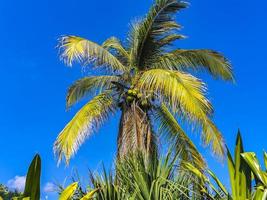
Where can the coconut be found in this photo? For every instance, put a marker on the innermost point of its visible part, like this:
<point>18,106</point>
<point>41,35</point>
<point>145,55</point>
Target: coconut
<point>129,99</point>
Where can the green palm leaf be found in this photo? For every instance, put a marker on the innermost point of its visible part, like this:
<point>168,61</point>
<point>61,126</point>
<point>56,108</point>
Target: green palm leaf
<point>213,62</point>
<point>87,120</point>
<point>182,92</point>
<point>115,44</point>
<point>212,136</point>
<point>88,85</point>
<point>85,51</point>
<point>265,159</point>
<point>169,126</point>
<point>145,34</point>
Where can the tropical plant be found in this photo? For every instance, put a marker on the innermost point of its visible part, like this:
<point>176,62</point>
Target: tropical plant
<point>32,185</point>
<point>139,178</point>
<point>6,193</point>
<point>149,82</point>
<point>259,174</point>
<point>161,179</point>
<point>68,192</point>
<point>243,168</point>
<point>239,172</point>
<point>207,187</point>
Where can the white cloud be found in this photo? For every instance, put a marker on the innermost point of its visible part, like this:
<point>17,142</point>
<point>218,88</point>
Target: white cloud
<point>50,187</point>
<point>17,183</point>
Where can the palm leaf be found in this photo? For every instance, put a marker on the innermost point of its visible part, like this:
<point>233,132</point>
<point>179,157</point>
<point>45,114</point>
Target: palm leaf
<point>115,44</point>
<point>219,183</point>
<point>168,125</point>
<point>87,85</point>
<point>182,92</point>
<point>87,120</point>
<point>145,35</point>
<point>213,137</point>
<point>213,62</point>
<point>265,159</point>
<point>84,51</point>
<point>169,39</point>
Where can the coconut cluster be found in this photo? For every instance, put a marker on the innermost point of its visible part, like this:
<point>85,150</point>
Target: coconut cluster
<point>143,100</point>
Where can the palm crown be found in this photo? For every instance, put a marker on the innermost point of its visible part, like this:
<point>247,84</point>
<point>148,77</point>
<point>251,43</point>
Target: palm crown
<point>148,80</point>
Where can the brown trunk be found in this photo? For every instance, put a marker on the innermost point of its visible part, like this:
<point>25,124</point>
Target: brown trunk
<point>135,132</point>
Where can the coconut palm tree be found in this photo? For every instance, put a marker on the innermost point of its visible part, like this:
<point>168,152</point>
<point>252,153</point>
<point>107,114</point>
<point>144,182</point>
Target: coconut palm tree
<point>148,81</point>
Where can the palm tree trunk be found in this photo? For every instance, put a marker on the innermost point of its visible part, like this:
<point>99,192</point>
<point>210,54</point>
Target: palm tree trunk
<point>135,132</point>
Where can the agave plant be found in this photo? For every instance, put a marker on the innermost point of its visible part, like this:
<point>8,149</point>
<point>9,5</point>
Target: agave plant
<point>148,81</point>
<point>106,187</point>
<point>239,172</point>
<point>243,169</point>
<point>259,174</point>
<point>138,178</point>
<point>161,179</point>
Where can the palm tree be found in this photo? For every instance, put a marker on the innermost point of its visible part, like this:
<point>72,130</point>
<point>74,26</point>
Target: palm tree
<point>148,81</point>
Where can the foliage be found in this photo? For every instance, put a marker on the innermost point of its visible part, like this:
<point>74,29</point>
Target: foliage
<point>148,80</point>
<point>239,172</point>
<point>149,179</point>
<point>68,192</point>
<point>138,177</point>
<point>259,174</point>
<point>6,194</point>
<point>32,185</point>
<point>244,169</point>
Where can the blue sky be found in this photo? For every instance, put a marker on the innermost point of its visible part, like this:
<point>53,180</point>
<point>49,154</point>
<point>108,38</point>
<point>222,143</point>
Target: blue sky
<point>34,82</point>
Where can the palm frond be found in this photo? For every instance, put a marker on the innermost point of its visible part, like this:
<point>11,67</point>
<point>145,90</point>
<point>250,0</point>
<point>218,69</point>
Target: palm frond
<point>169,39</point>
<point>114,43</point>
<point>88,85</point>
<point>87,120</point>
<point>169,126</point>
<point>199,59</point>
<point>213,137</point>
<point>182,92</point>
<point>145,35</point>
<point>85,51</point>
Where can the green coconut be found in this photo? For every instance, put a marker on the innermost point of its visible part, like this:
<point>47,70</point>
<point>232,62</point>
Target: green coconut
<point>129,99</point>
<point>134,92</point>
<point>130,92</point>
<point>144,103</point>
